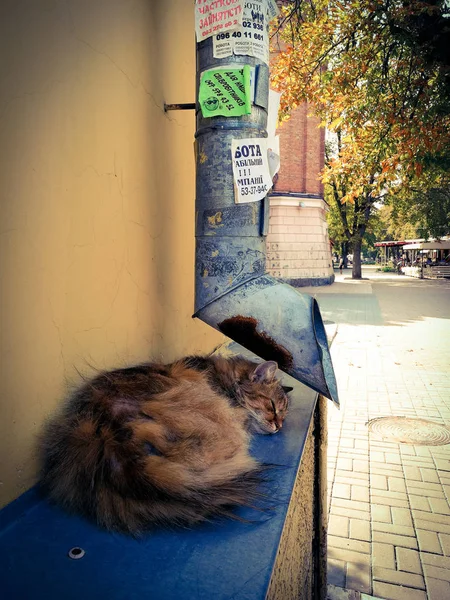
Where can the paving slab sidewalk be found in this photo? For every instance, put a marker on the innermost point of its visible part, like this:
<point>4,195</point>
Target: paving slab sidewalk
<point>389,511</point>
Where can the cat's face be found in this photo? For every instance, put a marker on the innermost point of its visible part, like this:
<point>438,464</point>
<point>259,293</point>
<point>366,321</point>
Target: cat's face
<point>265,399</point>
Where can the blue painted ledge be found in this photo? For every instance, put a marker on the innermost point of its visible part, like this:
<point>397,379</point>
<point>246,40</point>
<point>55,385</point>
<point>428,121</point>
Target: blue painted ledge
<point>222,560</point>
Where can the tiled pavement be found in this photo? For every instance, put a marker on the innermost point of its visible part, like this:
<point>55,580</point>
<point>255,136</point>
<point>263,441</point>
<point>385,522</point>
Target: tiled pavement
<point>389,512</point>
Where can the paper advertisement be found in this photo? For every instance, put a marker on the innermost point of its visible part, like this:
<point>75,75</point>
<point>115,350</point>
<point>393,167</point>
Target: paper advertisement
<point>274,11</point>
<point>225,92</point>
<point>272,112</point>
<point>273,155</point>
<point>251,38</point>
<point>273,140</point>
<point>251,174</point>
<point>215,16</point>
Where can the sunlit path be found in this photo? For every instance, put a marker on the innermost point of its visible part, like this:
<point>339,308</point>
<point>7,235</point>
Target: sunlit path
<point>389,513</point>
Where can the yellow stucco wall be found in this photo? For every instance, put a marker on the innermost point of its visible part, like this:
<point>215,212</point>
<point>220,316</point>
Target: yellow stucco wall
<point>97,202</point>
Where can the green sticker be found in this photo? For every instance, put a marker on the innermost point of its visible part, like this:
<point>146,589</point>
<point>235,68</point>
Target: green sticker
<point>225,92</point>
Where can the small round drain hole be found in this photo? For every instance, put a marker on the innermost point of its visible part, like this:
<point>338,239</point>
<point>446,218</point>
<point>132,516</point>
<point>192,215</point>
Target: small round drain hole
<point>406,430</point>
<point>76,553</point>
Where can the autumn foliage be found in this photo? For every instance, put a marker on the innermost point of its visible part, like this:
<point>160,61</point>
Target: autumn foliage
<point>383,100</point>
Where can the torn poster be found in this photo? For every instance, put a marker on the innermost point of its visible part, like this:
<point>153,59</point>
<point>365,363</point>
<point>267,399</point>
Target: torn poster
<point>252,36</point>
<point>274,11</point>
<point>273,140</point>
<point>272,112</point>
<point>225,91</point>
<point>215,16</point>
<point>273,155</point>
<point>251,173</point>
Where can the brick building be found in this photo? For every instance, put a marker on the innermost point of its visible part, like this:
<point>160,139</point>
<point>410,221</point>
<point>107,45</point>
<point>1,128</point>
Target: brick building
<point>298,244</point>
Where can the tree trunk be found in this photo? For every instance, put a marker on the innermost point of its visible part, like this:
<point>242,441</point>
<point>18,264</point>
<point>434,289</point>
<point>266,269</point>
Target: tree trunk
<point>356,270</point>
<point>344,253</point>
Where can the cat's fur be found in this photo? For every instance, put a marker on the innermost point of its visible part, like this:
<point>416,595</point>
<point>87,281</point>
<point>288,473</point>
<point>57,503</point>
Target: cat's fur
<point>164,444</point>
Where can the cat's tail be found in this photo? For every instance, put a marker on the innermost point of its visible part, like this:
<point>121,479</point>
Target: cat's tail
<point>246,490</point>
<point>172,496</point>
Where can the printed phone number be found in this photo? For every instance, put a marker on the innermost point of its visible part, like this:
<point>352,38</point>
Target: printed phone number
<point>237,34</point>
<point>220,96</point>
<point>228,25</point>
<point>253,189</point>
<point>246,34</point>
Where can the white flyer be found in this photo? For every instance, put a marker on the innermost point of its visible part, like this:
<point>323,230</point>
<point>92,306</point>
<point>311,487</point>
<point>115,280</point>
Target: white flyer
<point>251,173</point>
<point>273,155</point>
<point>272,112</point>
<point>273,140</point>
<point>215,16</point>
<point>274,11</point>
<point>252,36</point>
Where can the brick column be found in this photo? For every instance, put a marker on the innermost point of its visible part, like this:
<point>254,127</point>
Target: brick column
<point>298,244</point>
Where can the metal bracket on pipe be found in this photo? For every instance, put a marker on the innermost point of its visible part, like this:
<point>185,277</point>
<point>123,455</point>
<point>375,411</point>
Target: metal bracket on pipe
<point>186,106</point>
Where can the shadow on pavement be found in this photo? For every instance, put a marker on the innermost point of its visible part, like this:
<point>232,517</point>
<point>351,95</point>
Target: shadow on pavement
<point>377,300</point>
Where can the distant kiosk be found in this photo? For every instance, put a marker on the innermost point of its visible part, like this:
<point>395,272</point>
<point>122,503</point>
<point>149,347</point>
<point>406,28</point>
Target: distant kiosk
<point>418,258</point>
<point>432,258</point>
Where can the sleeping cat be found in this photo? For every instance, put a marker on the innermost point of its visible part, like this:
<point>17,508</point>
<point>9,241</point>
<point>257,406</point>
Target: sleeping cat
<point>162,444</point>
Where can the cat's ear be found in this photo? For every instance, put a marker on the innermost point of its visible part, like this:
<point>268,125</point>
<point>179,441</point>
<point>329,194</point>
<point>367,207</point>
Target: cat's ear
<point>265,372</point>
<point>287,389</point>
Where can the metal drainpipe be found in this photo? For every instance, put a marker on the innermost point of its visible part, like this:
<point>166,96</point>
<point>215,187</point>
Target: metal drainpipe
<point>233,293</point>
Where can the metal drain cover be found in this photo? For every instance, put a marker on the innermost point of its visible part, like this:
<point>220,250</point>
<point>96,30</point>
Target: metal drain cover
<point>410,431</point>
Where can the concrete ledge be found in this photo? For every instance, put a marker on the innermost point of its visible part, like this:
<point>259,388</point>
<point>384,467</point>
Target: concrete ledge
<point>338,593</point>
<point>308,281</point>
<point>225,559</point>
